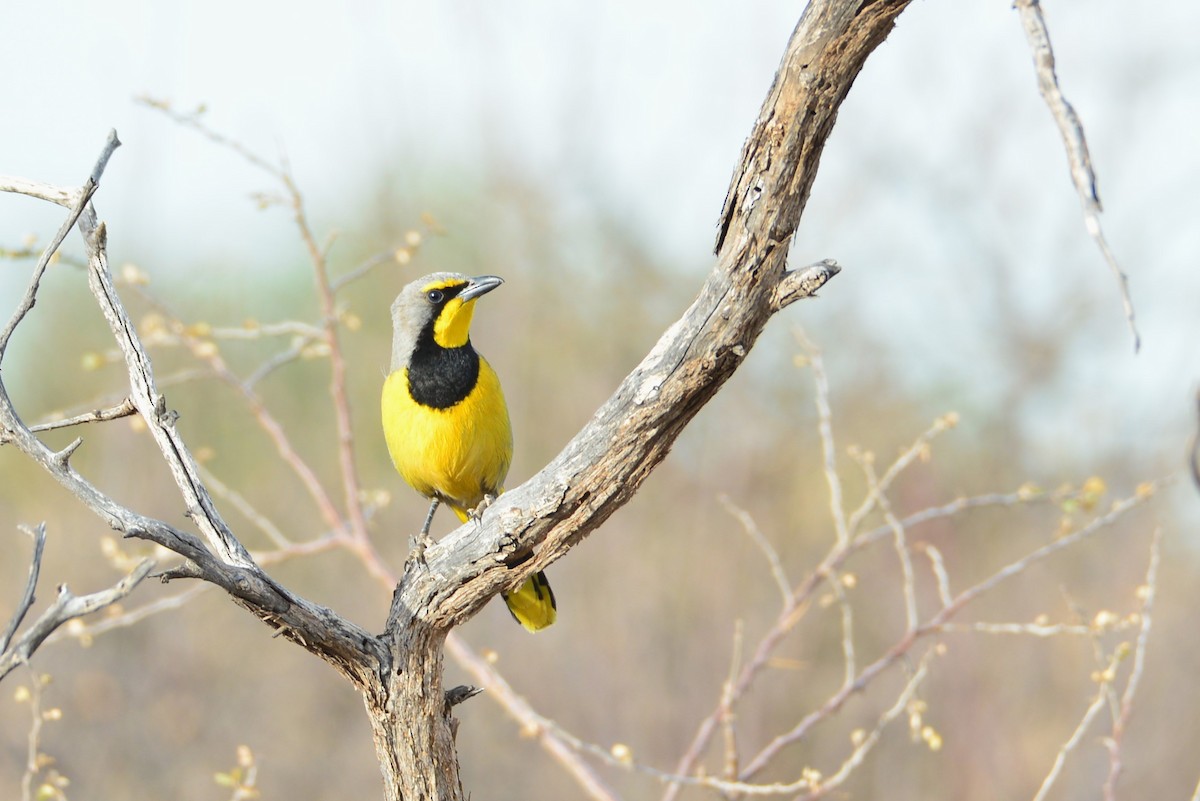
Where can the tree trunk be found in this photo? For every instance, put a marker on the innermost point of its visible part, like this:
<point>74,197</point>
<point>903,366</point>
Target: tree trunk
<point>411,721</point>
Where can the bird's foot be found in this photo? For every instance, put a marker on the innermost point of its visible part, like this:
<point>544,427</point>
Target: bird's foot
<point>476,514</point>
<point>417,546</point>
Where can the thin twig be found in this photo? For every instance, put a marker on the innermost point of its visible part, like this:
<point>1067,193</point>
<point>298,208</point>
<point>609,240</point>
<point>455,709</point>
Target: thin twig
<point>1071,130</point>
<point>1139,665</point>
<point>849,655</point>
<point>1069,746</point>
<point>239,502</point>
<point>801,597</point>
<point>33,747</point>
<point>933,626</point>
<point>730,768</point>
<point>550,737</point>
<point>325,294</point>
<point>755,533</point>
<point>917,450</point>
<point>1027,629</point>
<point>27,598</point>
<point>900,541</point>
<point>68,606</point>
<point>864,746</point>
<point>123,409</point>
<point>80,203</point>
<point>938,565</point>
<point>825,430</point>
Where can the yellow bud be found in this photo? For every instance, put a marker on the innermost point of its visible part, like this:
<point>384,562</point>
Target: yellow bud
<point>1092,491</point>
<point>91,361</point>
<point>206,349</point>
<point>1144,490</point>
<point>413,238</point>
<point>53,713</point>
<point>352,321</point>
<point>950,419</point>
<point>858,737</point>
<point>133,276</point>
<point>849,581</point>
<point>931,738</point>
<point>153,323</point>
<point>402,256</point>
<point>1028,491</point>
<point>21,694</point>
<point>622,754</point>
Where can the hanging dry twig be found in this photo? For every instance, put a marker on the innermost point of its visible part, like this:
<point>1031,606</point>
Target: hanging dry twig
<point>1071,129</point>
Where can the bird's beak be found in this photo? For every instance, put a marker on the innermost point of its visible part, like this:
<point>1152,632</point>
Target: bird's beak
<point>480,285</point>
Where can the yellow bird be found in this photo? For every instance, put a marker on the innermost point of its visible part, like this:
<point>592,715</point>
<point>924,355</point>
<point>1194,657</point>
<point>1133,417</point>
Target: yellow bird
<point>444,415</point>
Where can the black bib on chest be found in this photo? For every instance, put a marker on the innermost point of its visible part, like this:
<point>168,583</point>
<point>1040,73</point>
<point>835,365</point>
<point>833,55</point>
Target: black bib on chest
<point>441,377</point>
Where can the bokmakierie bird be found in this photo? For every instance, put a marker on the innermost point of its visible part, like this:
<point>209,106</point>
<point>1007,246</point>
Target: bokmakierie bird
<point>444,415</point>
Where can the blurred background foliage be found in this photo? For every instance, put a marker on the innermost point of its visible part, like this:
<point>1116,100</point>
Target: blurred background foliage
<point>969,286</point>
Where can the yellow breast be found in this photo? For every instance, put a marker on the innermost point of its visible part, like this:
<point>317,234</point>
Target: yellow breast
<point>458,454</point>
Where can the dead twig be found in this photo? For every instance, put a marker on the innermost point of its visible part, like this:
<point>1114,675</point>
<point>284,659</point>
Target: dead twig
<point>1071,130</point>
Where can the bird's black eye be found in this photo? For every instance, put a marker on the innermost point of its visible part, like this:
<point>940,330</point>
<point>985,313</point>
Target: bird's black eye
<point>435,296</point>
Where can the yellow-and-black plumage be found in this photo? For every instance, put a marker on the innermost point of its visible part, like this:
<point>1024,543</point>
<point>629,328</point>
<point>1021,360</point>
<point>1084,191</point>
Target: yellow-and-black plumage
<point>444,415</point>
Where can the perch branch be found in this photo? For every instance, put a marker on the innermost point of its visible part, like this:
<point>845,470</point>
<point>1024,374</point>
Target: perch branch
<point>601,468</point>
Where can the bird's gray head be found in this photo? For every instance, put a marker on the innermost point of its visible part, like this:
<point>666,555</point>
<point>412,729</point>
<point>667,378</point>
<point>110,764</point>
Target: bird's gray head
<point>440,303</point>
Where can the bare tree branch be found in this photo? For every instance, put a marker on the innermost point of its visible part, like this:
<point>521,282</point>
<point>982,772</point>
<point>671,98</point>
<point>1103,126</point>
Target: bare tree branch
<point>27,598</point>
<point>78,203</point>
<point>348,648</point>
<point>66,607</point>
<point>1071,129</point>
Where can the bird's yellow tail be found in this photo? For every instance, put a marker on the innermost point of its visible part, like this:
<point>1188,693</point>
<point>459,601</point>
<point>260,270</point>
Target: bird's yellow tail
<point>532,605</point>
